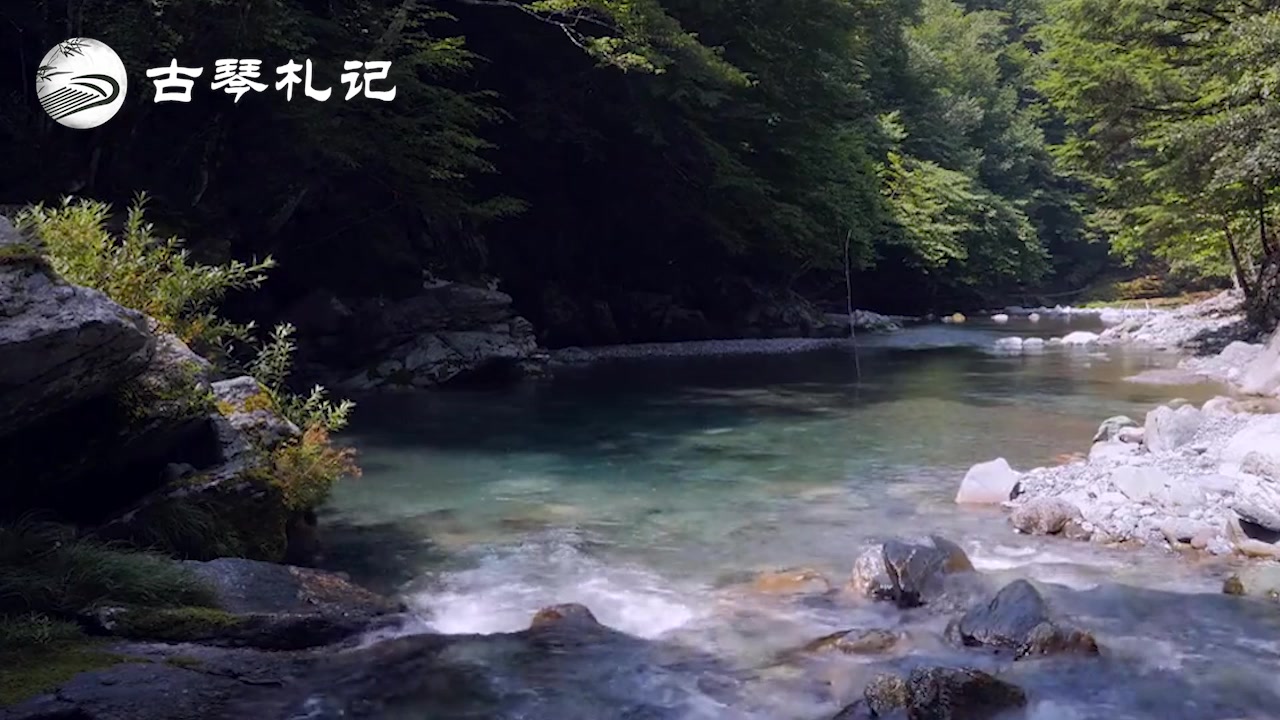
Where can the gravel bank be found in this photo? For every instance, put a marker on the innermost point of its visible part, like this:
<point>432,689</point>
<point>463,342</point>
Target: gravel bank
<point>1205,478</point>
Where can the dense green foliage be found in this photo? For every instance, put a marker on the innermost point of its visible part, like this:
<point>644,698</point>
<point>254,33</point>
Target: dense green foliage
<point>1173,111</point>
<point>586,149</point>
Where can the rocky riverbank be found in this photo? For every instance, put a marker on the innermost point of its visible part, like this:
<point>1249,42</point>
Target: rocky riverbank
<point>1198,478</point>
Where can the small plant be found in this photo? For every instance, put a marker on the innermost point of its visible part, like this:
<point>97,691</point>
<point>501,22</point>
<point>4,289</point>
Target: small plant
<point>306,469</point>
<point>142,271</point>
<point>272,366</point>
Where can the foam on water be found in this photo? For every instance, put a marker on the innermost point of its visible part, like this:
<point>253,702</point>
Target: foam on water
<point>508,585</point>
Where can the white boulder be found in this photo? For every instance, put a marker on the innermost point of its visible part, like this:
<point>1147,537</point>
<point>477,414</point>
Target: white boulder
<point>988,483</point>
<point>1009,344</point>
<point>1262,376</point>
<point>1080,337</point>
<point>1000,318</point>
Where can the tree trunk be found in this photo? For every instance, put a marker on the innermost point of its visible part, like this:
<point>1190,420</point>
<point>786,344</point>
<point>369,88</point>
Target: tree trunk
<point>1242,278</point>
<point>1267,249</point>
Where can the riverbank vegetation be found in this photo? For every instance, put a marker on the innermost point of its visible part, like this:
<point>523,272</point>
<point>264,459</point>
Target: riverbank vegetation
<point>981,152</point>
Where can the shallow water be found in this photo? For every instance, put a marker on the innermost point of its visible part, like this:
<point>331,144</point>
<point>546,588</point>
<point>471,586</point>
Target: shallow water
<point>646,488</point>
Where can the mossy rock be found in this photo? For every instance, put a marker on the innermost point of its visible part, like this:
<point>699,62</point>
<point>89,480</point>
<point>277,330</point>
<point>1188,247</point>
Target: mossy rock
<point>35,671</point>
<point>209,626</point>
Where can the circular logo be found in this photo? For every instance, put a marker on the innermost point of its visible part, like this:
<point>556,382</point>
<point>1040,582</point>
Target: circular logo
<point>81,83</point>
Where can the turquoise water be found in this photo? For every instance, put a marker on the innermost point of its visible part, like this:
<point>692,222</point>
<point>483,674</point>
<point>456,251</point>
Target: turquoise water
<point>649,489</point>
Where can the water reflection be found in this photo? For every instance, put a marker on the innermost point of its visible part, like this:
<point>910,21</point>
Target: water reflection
<point>638,487</point>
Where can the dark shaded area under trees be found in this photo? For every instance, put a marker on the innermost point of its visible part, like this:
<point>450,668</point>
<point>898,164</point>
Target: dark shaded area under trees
<point>596,155</point>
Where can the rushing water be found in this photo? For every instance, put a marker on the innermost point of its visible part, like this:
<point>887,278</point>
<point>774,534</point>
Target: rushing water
<point>648,489</point>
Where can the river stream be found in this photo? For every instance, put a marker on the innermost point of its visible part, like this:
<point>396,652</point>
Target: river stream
<point>650,489</point>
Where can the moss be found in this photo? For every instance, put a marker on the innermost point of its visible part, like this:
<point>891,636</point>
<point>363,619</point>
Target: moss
<point>24,253</point>
<point>187,624</point>
<point>259,401</point>
<point>177,394</point>
<point>185,662</point>
<point>34,672</point>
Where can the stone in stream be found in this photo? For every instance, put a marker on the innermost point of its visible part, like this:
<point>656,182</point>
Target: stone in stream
<point>857,642</point>
<point>566,616</point>
<point>1044,516</point>
<point>988,483</point>
<point>1255,581</point>
<point>907,573</point>
<point>1110,428</point>
<point>792,581</point>
<point>937,693</point>
<point>1169,429</point>
<point>1262,376</point>
<point>1017,620</point>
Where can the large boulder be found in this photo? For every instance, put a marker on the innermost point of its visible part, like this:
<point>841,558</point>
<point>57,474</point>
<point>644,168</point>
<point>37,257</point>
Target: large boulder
<point>1017,620</point>
<point>988,483</point>
<point>1168,429</point>
<point>1261,436</point>
<point>60,344</point>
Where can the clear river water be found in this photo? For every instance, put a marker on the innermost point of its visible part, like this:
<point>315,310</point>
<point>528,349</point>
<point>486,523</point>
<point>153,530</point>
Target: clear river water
<point>650,488</point>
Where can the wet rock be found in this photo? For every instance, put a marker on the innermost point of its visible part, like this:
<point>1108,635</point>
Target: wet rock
<point>1261,581</point>
<point>566,616</point>
<point>988,483</point>
<point>857,642</point>
<point>1017,619</point>
<point>1110,428</point>
<point>917,572</point>
<point>1080,338</point>
<point>938,693</point>
<point>869,577</point>
<point>792,581</point>
<point>1169,429</point>
<point>1044,516</point>
<point>248,586</point>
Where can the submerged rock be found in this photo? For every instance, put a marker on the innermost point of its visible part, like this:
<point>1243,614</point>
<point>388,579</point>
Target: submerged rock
<point>857,642</point>
<point>988,483</point>
<point>1017,620</point>
<point>1261,581</point>
<point>937,693</point>
<point>791,582</point>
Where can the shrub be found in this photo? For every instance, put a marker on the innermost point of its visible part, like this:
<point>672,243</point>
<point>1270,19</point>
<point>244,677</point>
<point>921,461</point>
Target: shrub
<point>142,271</point>
<point>271,367</point>
<point>305,469</point>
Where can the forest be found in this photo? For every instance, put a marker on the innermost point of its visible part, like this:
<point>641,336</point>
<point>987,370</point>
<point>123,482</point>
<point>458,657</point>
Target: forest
<point>979,153</point>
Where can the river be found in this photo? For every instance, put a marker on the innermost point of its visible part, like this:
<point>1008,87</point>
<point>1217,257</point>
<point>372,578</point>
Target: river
<point>650,488</point>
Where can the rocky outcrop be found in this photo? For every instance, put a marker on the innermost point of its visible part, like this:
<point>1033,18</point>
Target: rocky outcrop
<point>60,344</point>
<point>75,365</point>
<point>450,332</point>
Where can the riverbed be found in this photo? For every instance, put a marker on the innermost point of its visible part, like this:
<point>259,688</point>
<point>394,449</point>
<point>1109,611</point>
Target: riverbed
<point>651,487</point>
